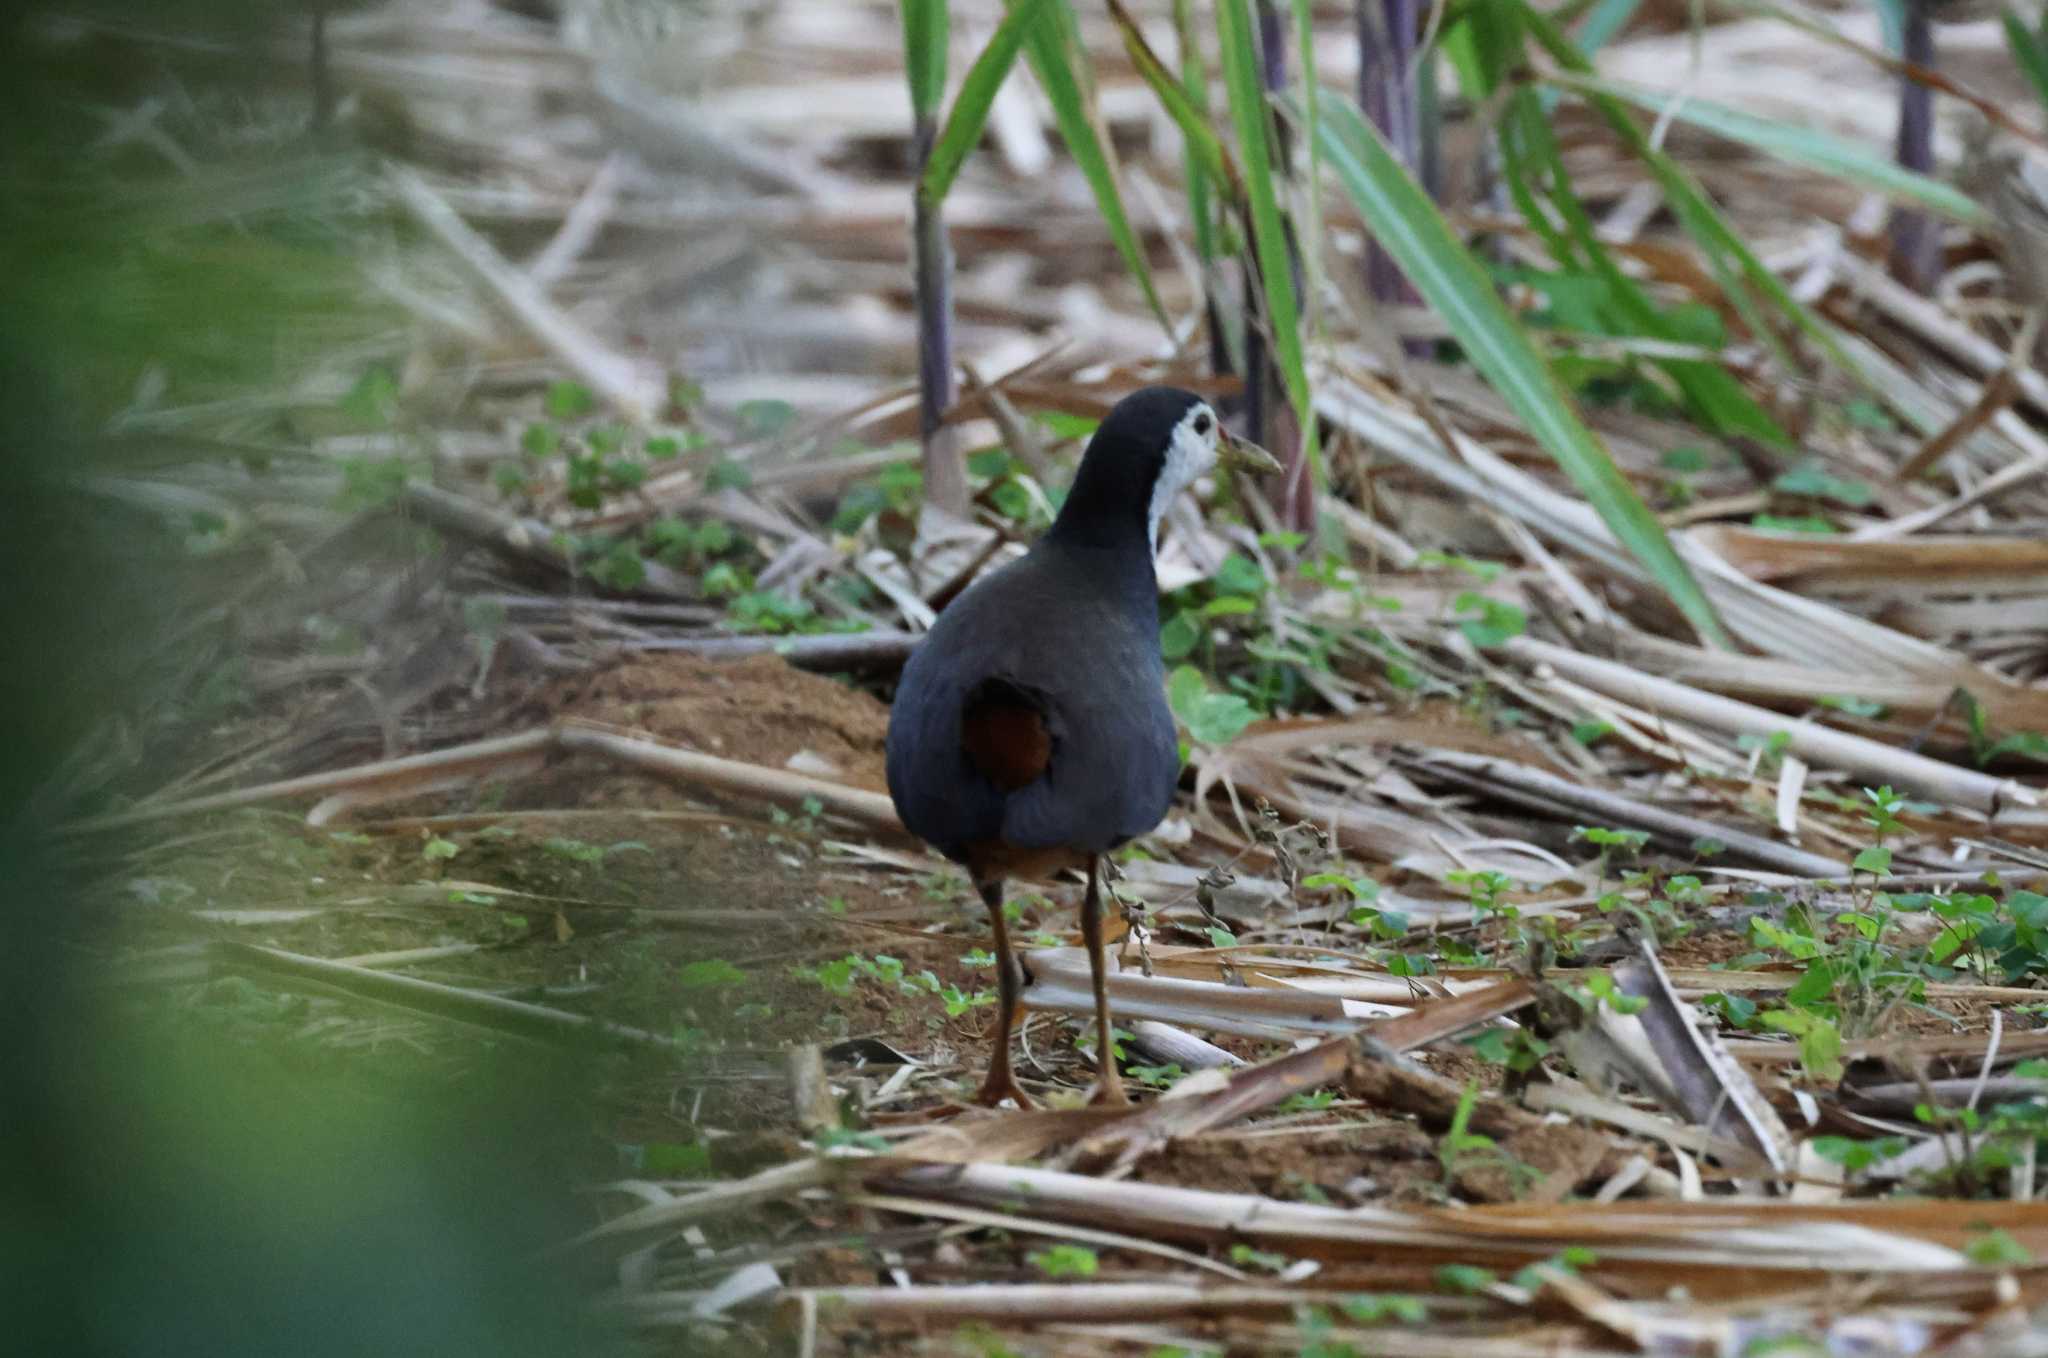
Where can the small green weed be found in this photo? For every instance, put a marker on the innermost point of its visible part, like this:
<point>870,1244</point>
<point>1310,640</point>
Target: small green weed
<point>839,976</point>
<point>1065,1261</point>
<point>1461,1149</point>
<point>710,974</point>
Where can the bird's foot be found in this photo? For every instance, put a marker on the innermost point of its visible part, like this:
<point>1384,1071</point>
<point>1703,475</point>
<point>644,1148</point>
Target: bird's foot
<point>1002,1084</point>
<point>1109,1091</point>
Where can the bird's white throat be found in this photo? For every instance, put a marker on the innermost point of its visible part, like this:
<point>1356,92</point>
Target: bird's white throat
<point>1190,455</point>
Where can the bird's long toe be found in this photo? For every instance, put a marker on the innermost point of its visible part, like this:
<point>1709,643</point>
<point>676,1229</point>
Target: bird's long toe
<point>1109,1091</point>
<point>1002,1084</point>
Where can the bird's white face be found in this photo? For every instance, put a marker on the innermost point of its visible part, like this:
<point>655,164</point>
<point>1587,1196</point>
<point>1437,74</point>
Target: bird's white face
<point>1190,455</point>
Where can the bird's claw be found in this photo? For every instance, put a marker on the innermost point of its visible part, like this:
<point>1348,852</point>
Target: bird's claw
<point>1002,1084</point>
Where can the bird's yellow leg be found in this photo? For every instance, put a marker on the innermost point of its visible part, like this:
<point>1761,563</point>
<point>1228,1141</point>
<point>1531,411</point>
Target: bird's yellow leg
<point>1001,1082</point>
<point>1109,1085</point>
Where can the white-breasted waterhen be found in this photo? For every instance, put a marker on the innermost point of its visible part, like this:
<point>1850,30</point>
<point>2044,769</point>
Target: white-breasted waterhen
<point>1030,731</point>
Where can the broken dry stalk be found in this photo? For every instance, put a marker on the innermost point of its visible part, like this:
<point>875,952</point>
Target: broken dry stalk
<point>1817,745</point>
<point>515,756</point>
<point>612,376</point>
<point>533,1021</point>
<point>1533,787</point>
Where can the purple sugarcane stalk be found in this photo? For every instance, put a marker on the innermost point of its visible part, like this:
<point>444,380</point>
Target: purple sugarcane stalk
<point>1269,418</point>
<point>1915,238</point>
<point>1258,360</point>
<point>1258,365</point>
<point>1386,91</point>
<point>945,479</point>
<point>1219,349</point>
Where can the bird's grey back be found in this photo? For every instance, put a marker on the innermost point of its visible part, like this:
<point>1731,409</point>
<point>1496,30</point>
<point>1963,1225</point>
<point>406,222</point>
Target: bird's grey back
<point>1079,629</point>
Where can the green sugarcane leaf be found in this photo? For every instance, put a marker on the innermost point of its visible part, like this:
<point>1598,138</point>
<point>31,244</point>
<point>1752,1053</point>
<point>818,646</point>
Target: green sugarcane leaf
<point>962,131</point>
<point>1485,49</point>
<point>1409,227</point>
<point>1049,45</point>
<point>1728,257</point>
<point>1194,79</point>
<point>1605,19</point>
<point>1814,149</point>
<point>1269,235</point>
<point>2027,54</point>
<point>1713,393</point>
<point>925,33</point>
<point>1891,17</point>
<point>1185,100</point>
<point>1312,199</point>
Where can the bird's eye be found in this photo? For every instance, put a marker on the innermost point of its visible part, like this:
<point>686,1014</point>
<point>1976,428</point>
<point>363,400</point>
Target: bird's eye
<point>1202,423</point>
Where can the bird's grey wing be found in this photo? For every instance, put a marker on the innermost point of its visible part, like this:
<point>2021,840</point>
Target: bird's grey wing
<point>939,794</point>
<point>965,732</point>
<point>1115,759</point>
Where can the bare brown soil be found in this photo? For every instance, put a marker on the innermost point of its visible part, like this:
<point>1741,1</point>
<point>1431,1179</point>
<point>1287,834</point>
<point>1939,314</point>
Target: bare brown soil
<point>760,710</point>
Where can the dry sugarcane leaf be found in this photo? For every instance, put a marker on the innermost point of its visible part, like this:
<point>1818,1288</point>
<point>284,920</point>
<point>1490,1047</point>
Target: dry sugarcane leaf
<point>1939,1057</point>
<point>525,752</point>
<point>1159,1123</point>
<point>1761,679</point>
<point>1546,791</point>
<point>1775,621</point>
<point>1748,1240</point>
<point>1248,1091</point>
<point>1031,1303</point>
<point>1269,762</point>
<point>1059,981</point>
<point>1818,745</point>
<point>1711,1087</point>
<point>1608,1049</point>
<point>1837,565</point>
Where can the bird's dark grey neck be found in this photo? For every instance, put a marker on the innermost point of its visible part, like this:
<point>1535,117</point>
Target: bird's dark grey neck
<point>1110,503</point>
<point>1115,527</point>
<point>1113,557</point>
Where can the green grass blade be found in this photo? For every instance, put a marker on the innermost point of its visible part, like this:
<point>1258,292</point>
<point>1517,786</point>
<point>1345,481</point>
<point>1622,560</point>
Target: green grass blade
<point>1717,399</point>
<point>1049,46</point>
<point>977,94</point>
<point>1603,21</point>
<point>926,31</point>
<point>1411,230</point>
<point>1194,84</point>
<point>1891,17</point>
<point>2027,54</point>
<point>1310,231</point>
<point>1269,234</point>
<point>1484,49</point>
<point>1810,147</point>
<point>1728,257</point>
<point>1185,100</point>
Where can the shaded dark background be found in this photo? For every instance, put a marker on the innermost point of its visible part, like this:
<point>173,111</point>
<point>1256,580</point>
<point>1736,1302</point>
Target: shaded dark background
<point>162,1193</point>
